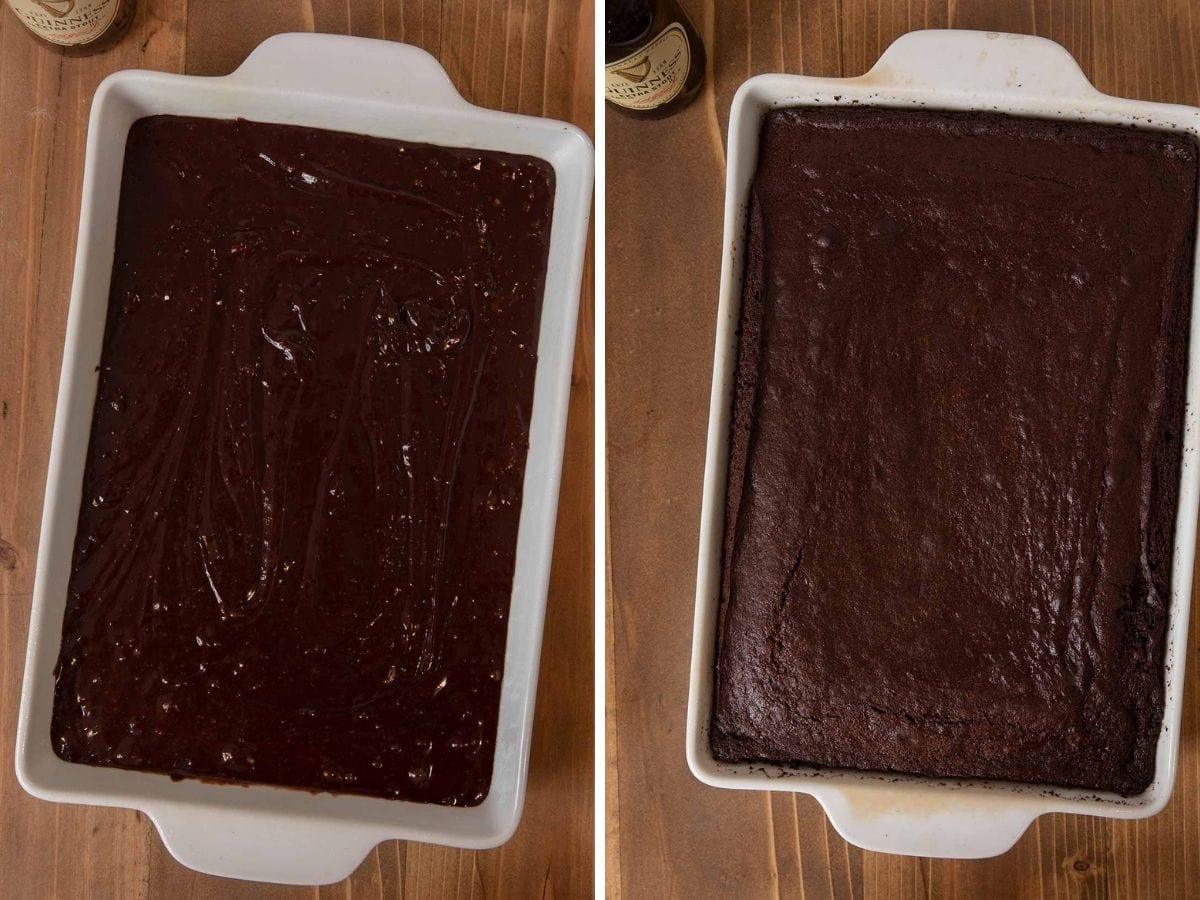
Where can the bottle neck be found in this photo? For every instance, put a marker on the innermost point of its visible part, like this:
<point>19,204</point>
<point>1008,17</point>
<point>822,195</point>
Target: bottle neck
<point>627,21</point>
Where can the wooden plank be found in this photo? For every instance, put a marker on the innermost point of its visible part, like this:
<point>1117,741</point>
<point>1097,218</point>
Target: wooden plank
<point>669,835</point>
<point>531,57</point>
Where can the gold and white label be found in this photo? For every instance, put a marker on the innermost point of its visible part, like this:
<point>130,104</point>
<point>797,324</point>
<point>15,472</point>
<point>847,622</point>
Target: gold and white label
<point>66,22</point>
<point>652,76</point>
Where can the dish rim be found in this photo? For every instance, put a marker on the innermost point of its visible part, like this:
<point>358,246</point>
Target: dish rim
<point>953,70</point>
<point>361,86</point>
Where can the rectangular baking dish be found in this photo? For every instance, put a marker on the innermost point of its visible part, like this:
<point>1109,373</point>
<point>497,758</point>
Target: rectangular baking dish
<point>343,84</point>
<point>950,70</point>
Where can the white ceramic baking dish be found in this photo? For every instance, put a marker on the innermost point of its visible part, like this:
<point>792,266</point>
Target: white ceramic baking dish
<point>954,70</point>
<point>345,84</point>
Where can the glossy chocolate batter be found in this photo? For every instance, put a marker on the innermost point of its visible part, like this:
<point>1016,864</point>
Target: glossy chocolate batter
<point>296,545</point>
<point>956,447</point>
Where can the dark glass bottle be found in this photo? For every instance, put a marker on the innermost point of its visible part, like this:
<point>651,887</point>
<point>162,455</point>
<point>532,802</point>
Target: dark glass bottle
<point>76,27</point>
<point>653,58</point>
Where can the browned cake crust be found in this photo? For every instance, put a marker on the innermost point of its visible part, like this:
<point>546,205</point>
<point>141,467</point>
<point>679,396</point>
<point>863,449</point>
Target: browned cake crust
<point>957,432</point>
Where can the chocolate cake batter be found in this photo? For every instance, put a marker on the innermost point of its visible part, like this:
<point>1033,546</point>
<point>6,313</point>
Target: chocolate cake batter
<point>957,432</point>
<point>296,544</point>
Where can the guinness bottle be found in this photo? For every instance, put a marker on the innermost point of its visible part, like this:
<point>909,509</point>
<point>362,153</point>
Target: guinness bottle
<point>77,27</point>
<point>653,57</point>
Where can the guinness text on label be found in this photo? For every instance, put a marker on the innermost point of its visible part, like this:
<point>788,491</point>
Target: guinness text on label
<point>74,23</point>
<point>654,59</point>
<point>653,75</point>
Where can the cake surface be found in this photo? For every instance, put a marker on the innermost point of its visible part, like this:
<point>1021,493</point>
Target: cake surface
<point>955,447</point>
<point>296,545</point>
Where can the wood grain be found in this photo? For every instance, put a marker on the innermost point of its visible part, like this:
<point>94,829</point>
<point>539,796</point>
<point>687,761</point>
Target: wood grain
<point>669,835</point>
<point>529,56</point>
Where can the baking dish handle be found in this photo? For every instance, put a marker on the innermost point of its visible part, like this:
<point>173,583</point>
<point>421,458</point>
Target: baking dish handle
<point>349,67</point>
<point>981,62</point>
<point>260,846</point>
<point>926,825</point>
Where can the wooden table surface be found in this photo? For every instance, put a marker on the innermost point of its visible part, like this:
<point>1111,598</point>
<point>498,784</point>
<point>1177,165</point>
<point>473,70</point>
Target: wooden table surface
<point>669,835</point>
<point>530,57</point>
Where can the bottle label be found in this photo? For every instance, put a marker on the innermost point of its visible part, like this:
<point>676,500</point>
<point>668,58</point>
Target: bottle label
<point>69,23</point>
<point>653,75</point>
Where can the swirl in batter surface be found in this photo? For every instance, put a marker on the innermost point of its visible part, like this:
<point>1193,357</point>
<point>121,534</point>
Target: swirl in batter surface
<point>295,551</point>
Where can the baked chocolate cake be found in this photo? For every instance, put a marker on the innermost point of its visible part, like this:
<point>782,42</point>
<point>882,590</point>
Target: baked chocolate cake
<point>955,450</point>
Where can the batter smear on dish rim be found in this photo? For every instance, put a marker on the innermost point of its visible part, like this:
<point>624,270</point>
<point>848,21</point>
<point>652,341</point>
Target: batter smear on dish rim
<point>296,543</point>
<point>956,443</point>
